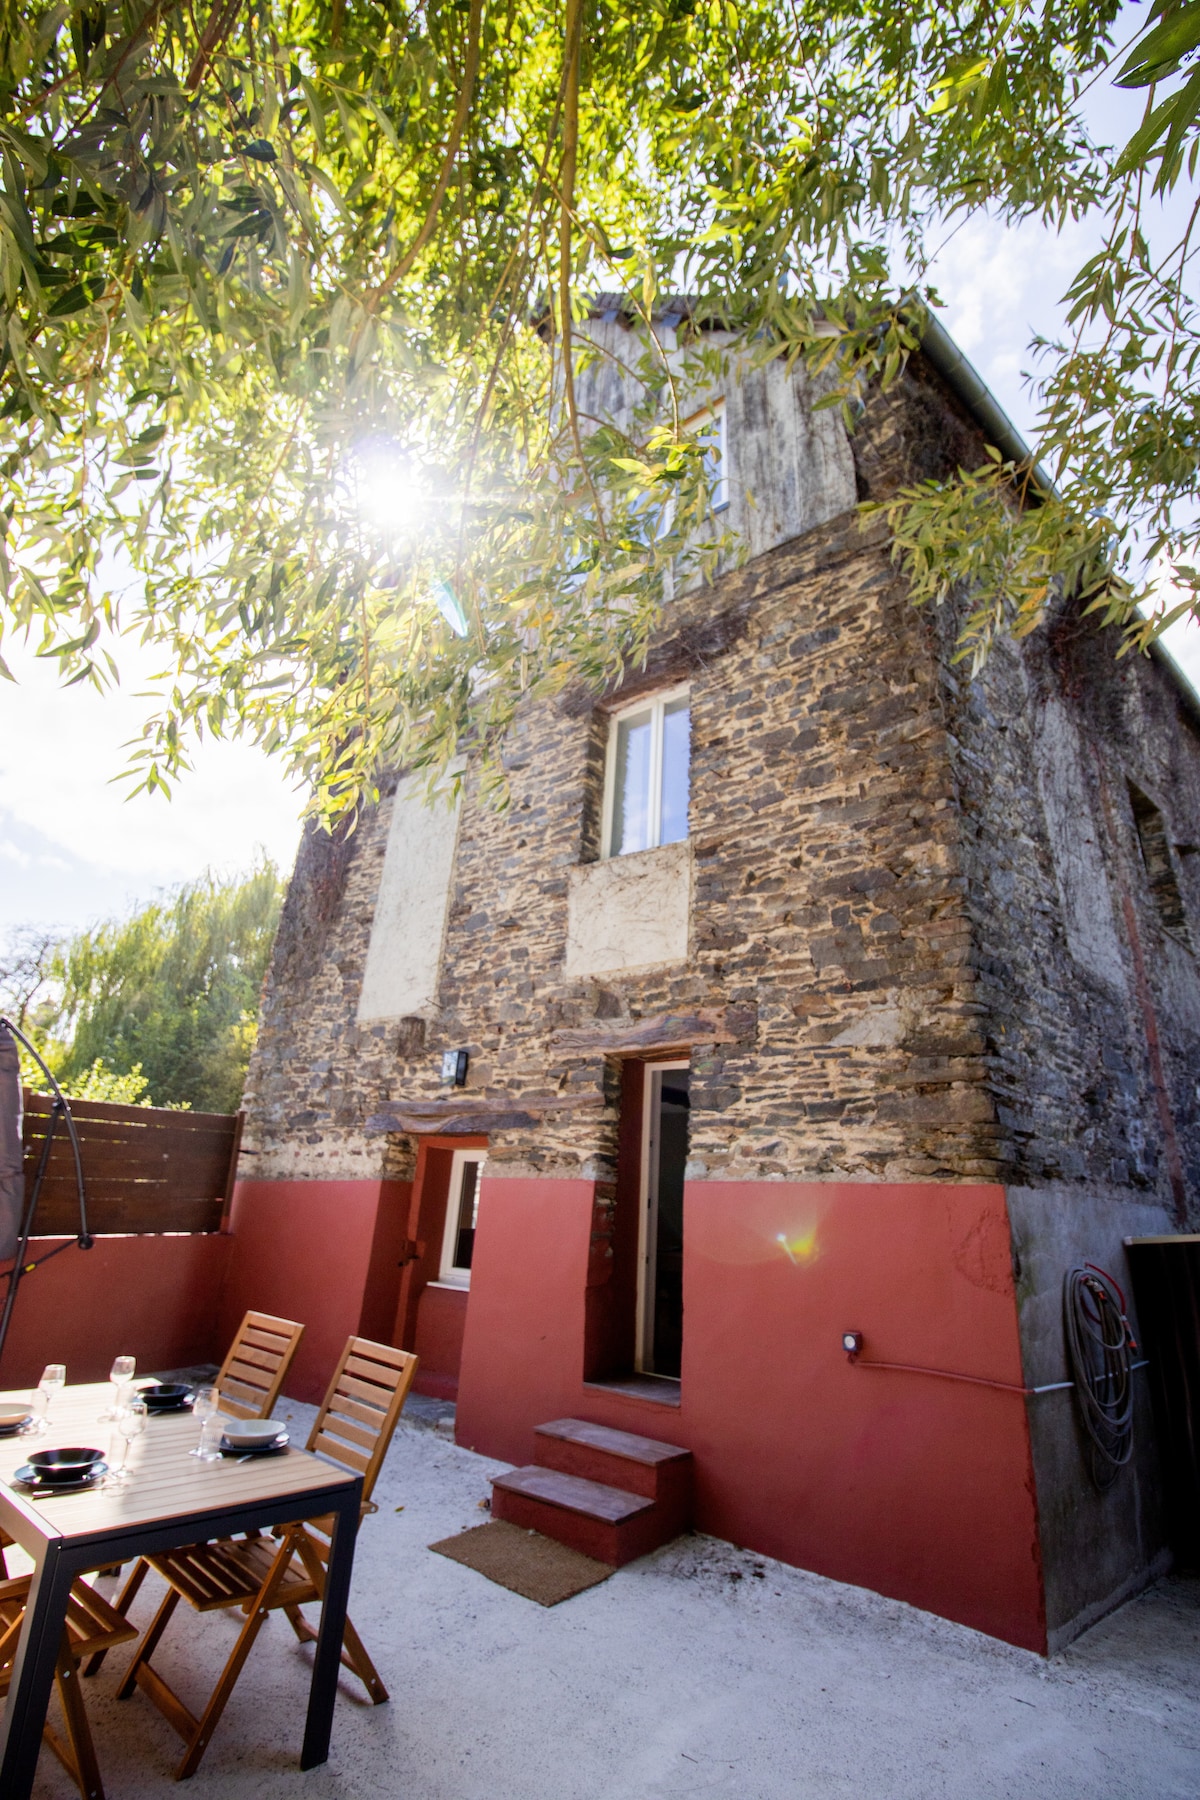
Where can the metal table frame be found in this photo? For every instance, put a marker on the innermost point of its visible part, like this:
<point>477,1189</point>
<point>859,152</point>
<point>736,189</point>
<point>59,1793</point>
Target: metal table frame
<point>59,1560</point>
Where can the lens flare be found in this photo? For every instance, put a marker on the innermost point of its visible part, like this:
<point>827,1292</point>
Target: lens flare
<point>799,1246</point>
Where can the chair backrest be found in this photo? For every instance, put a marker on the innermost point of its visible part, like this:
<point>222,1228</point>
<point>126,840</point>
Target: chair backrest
<point>259,1358</point>
<point>362,1408</point>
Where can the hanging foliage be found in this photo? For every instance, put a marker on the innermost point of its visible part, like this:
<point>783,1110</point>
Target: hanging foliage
<point>292,303</point>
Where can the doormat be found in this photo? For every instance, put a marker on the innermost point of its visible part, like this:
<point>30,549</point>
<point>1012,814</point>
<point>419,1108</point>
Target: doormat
<point>524,1561</point>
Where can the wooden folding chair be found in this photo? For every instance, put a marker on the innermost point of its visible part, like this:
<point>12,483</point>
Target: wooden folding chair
<point>92,1625</point>
<point>249,1381</point>
<point>258,1360</point>
<point>285,1572</point>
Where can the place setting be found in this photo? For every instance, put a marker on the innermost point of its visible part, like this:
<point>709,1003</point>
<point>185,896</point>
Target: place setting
<point>76,1468</point>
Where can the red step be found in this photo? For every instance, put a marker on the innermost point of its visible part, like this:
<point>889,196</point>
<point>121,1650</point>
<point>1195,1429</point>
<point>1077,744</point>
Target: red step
<point>610,1494</point>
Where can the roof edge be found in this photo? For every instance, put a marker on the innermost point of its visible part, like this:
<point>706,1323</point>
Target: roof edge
<point>961,376</point>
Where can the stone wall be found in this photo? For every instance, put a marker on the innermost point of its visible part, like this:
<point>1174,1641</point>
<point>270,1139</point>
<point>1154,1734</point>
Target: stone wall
<point>897,967</point>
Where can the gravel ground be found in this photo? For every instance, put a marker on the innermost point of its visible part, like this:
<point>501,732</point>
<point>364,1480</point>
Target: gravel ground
<point>700,1671</point>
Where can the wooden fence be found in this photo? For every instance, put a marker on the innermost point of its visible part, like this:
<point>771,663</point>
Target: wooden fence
<point>144,1169</point>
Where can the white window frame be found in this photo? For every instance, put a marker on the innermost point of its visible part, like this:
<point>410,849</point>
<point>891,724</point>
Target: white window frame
<point>715,414</point>
<point>656,705</point>
<point>448,1275</point>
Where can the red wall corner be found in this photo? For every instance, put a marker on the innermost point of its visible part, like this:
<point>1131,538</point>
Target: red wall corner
<point>918,1487</point>
<point>322,1252</point>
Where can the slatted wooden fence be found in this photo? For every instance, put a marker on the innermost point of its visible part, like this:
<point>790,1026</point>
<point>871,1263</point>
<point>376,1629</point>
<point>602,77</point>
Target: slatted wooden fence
<point>145,1169</point>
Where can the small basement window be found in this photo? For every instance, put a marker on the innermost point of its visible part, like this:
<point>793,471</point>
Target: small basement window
<point>1155,847</point>
<point>647,775</point>
<point>462,1211</point>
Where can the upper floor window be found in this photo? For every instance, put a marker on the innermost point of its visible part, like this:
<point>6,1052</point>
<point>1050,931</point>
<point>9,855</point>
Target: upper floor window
<point>710,427</point>
<point>647,774</point>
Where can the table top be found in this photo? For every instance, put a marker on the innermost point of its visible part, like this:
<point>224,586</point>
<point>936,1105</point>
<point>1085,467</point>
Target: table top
<point>165,1482</point>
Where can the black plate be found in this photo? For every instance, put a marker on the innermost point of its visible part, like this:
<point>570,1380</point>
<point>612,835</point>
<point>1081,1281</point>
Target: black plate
<point>272,1449</point>
<point>14,1430</point>
<point>166,1393</point>
<point>169,1406</point>
<point>29,1478</point>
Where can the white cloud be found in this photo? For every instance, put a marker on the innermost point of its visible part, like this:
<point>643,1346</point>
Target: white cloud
<point>60,750</point>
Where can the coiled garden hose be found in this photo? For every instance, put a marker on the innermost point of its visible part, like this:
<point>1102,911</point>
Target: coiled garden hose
<point>1099,1347</point>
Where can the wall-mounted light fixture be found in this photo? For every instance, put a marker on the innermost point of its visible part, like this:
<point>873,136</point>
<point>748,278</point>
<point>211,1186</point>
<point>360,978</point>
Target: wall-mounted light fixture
<point>852,1343</point>
<point>454,1068</point>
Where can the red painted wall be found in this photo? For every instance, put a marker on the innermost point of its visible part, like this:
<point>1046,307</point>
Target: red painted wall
<point>322,1252</point>
<point>441,1319</point>
<point>153,1297</point>
<point>919,1488</point>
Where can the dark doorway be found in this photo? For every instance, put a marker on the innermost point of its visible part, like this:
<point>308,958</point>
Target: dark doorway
<point>665,1147</point>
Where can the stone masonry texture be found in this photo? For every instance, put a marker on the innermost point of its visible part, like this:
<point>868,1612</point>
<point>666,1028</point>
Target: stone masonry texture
<point>878,901</point>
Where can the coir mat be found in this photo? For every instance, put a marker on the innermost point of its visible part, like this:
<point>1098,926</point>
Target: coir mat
<point>525,1562</point>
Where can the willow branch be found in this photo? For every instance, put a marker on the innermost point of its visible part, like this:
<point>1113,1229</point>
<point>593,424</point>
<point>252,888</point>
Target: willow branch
<point>570,156</point>
<point>466,94</point>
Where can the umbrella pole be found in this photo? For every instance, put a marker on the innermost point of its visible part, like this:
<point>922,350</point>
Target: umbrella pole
<point>58,1111</point>
<point>18,1268</point>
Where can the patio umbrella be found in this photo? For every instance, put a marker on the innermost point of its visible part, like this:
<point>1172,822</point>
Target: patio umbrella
<point>12,1160</point>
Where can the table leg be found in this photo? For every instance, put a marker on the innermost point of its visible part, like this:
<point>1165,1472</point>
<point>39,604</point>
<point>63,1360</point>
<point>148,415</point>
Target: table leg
<point>323,1689</point>
<point>33,1674</point>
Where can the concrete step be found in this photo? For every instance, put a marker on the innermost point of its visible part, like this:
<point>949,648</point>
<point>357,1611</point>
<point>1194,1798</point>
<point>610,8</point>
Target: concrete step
<point>606,1522</point>
<point>640,1465</point>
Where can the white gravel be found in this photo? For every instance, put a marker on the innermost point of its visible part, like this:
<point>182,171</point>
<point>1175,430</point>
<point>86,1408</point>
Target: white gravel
<point>701,1671</point>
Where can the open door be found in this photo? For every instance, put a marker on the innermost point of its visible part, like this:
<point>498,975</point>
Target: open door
<point>660,1266</point>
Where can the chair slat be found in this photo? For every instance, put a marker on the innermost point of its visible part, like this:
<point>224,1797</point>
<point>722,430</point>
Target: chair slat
<point>254,1370</point>
<point>340,1453</point>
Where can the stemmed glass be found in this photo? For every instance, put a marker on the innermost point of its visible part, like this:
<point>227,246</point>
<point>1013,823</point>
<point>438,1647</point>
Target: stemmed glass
<point>54,1379</point>
<point>121,1374</point>
<point>131,1422</point>
<point>204,1408</point>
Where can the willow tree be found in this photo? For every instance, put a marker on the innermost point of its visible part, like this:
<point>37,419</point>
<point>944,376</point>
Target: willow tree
<point>262,264</point>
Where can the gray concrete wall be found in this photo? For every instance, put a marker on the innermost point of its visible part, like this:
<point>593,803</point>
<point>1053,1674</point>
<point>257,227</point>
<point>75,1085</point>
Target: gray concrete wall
<point>1097,1548</point>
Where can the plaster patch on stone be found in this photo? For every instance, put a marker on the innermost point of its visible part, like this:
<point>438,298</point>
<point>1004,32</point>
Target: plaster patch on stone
<point>882,1027</point>
<point>400,979</point>
<point>629,912</point>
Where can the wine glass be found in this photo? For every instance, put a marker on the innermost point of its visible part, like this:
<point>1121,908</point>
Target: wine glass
<point>204,1407</point>
<point>131,1422</point>
<point>120,1375</point>
<point>54,1379</point>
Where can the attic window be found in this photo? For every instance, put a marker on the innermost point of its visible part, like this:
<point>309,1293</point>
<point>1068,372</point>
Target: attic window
<point>710,427</point>
<point>1156,859</point>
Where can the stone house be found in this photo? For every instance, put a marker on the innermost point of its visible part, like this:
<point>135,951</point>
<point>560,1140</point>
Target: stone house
<point>806,987</point>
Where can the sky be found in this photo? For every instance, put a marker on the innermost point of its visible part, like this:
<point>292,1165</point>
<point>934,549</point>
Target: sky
<point>74,849</point>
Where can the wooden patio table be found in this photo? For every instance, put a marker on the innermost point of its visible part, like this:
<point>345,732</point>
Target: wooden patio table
<point>171,1499</point>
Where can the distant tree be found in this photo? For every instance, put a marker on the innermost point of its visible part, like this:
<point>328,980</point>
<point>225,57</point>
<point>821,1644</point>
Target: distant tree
<point>26,971</point>
<point>159,1008</point>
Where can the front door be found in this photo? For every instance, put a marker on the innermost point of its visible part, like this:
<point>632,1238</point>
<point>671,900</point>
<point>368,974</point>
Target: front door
<point>660,1268</point>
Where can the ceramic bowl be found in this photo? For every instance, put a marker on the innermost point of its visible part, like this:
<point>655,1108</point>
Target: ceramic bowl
<point>162,1394</point>
<point>252,1434</point>
<point>65,1465</point>
<point>12,1414</point>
